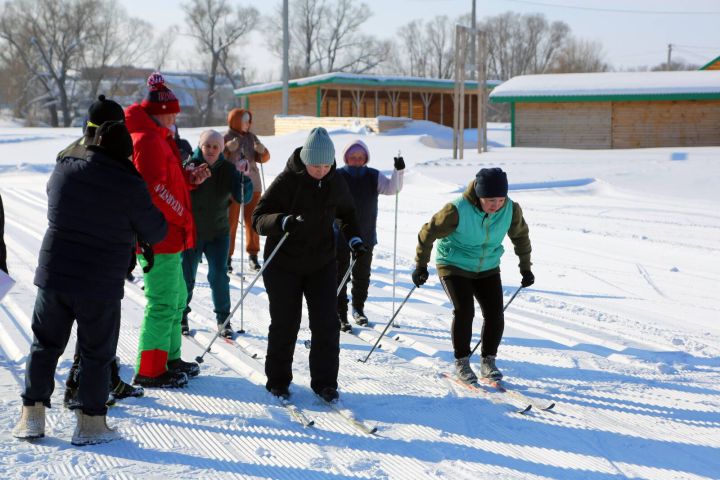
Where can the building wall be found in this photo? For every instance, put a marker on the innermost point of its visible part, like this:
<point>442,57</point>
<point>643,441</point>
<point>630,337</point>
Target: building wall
<point>585,125</point>
<point>688,123</point>
<point>294,123</point>
<point>264,107</point>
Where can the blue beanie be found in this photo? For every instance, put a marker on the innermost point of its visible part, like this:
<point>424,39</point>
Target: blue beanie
<point>491,183</point>
<point>318,148</point>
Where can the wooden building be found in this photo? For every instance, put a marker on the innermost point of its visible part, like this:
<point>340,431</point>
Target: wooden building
<point>354,95</point>
<point>713,64</point>
<point>613,110</point>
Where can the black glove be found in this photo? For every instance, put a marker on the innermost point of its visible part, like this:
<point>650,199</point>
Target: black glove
<point>148,254</point>
<point>420,275</point>
<point>357,247</point>
<point>528,278</point>
<point>133,262</point>
<point>291,223</point>
<point>399,163</point>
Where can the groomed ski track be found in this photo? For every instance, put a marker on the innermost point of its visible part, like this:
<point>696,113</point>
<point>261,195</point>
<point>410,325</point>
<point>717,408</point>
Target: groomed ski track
<point>623,387</point>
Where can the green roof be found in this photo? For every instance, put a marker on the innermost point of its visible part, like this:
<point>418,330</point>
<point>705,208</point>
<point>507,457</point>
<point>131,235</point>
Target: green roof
<point>707,65</point>
<point>358,79</point>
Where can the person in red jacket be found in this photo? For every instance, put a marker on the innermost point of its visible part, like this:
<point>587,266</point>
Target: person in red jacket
<point>157,158</point>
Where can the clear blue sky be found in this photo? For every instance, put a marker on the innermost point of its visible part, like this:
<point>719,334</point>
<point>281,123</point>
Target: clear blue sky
<point>628,38</point>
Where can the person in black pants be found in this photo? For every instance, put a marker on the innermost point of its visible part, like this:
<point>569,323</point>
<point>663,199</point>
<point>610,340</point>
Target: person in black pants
<point>365,184</point>
<point>97,204</point>
<point>471,229</point>
<point>303,202</point>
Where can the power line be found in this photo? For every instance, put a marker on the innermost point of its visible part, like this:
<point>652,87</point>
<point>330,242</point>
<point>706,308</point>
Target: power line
<point>615,10</point>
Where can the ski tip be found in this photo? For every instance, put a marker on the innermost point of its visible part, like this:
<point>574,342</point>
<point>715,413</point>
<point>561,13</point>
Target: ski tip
<point>525,410</point>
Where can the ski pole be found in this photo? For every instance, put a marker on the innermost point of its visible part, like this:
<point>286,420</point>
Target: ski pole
<point>397,196</point>
<point>242,252</point>
<point>262,176</point>
<point>199,358</point>
<point>388,324</point>
<point>347,274</point>
<point>504,308</point>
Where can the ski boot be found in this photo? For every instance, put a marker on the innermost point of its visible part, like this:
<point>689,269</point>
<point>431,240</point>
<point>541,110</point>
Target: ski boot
<point>488,368</point>
<point>226,331</point>
<point>360,317</point>
<point>329,394</point>
<point>463,371</point>
<point>344,324</point>
<point>168,379</point>
<point>191,369</point>
<point>253,263</point>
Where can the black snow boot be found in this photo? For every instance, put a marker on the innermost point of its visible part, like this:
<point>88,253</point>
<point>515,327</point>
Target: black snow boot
<point>329,394</point>
<point>253,263</point>
<point>191,369</point>
<point>344,324</point>
<point>168,379</point>
<point>280,391</point>
<point>70,398</point>
<point>360,317</point>
<point>184,327</point>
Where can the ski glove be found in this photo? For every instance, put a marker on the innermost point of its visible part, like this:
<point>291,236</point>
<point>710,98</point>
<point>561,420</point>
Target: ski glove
<point>399,163</point>
<point>357,247</point>
<point>420,275</point>
<point>148,254</point>
<point>290,223</point>
<point>527,278</point>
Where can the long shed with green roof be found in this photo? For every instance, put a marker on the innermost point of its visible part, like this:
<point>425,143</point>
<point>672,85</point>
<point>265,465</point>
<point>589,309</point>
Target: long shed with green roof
<point>613,110</point>
<point>356,95</point>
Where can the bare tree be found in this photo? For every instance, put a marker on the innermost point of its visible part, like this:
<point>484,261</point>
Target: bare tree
<point>325,37</point>
<point>579,56</point>
<point>305,22</point>
<point>523,44</point>
<point>217,28</point>
<point>118,40</point>
<point>426,49</point>
<point>50,37</point>
<point>162,47</point>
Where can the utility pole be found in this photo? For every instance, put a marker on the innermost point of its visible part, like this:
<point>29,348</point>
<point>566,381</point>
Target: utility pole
<point>286,66</point>
<point>669,56</point>
<point>473,26</point>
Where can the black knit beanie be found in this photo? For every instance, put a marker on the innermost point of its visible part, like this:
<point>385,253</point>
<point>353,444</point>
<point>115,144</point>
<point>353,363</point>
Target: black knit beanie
<point>491,183</point>
<point>104,110</point>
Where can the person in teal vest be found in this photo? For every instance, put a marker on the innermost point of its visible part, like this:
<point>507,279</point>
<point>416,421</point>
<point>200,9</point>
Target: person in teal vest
<point>471,229</point>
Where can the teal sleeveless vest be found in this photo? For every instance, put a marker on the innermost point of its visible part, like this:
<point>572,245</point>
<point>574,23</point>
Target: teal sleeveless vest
<point>476,243</point>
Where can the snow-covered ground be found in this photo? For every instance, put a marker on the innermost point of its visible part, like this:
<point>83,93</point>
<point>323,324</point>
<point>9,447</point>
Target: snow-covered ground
<point>621,330</point>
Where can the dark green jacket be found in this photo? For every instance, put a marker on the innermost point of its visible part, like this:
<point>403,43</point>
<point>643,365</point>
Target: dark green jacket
<point>211,199</point>
<point>444,223</point>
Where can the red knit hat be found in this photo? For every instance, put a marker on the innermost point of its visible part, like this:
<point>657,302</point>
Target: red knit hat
<point>159,99</point>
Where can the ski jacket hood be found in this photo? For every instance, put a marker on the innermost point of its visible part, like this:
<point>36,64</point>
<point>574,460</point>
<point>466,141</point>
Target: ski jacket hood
<point>360,144</point>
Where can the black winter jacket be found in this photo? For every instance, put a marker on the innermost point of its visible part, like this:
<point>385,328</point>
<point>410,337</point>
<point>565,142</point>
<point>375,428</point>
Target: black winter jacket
<point>96,206</point>
<point>294,192</point>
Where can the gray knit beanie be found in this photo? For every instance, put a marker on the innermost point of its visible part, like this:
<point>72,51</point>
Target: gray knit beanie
<point>318,148</point>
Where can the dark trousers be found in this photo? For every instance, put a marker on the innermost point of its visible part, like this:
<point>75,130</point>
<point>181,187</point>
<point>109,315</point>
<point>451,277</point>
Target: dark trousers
<point>488,293</point>
<point>98,330</point>
<point>285,292</point>
<point>360,277</point>
<point>216,253</point>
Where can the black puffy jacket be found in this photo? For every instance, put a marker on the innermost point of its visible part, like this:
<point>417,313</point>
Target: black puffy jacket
<point>97,205</point>
<point>320,202</point>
